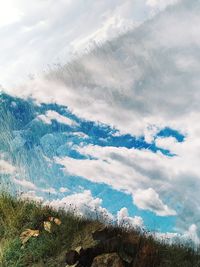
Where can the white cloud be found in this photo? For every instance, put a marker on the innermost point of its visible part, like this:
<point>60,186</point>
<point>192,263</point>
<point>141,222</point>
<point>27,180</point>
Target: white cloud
<point>111,28</point>
<point>41,33</point>
<point>79,134</point>
<point>64,190</point>
<point>28,185</point>
<point>169,143</point>
<point>192,234</point>
<point>130,85</point>
<point>25,183</point>
<point>49,190</point>
<point>125,170</point>
<point>9,13</point>
<point>149,200</point>
<point>175,185</point>
<point>86,205</point>
<point>123,219</point>
<point>167,237</point>
<point>6,167</point>
<point>161,4</point>
<point>32,196</point>
<point>53,115</point>
<point>82,203</point>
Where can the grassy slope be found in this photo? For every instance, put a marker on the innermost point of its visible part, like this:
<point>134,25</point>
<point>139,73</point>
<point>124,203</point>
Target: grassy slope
<point>49,249</point>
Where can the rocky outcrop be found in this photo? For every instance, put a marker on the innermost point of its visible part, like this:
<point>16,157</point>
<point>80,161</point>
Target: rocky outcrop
<point>107,260</point>
<point>113,248</point>
<point>72,257</point>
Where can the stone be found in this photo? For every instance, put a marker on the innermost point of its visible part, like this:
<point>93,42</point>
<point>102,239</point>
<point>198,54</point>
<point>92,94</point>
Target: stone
<point>107,260</point>
<point>125,257</point>
<point>87,255</point>
<point>71,257</point>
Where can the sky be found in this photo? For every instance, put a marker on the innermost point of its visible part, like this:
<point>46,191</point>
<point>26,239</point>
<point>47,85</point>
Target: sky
<point>37,35</point>
<point>116,129</point>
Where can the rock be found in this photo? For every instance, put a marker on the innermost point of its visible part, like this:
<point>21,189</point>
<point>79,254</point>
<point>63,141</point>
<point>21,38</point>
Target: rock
<point>87,255</point>
<point>107,260</point>
<point>72,257</point>
<point>125,257</point>
<point>112,246</point>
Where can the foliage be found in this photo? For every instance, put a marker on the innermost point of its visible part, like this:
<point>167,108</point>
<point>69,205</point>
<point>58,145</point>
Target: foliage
<point>49,247</point>
<point>17,215</point>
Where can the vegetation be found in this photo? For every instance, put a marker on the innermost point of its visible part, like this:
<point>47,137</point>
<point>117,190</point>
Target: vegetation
<point>49,248</point>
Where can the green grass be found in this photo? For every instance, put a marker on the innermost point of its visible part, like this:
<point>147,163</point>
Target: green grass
<point>16,216</point>
<point>48,249</point>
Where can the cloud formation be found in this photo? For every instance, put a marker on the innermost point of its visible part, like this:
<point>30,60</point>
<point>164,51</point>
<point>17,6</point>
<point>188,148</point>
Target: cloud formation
<point>131,171</point>
<point>156,182</point>
<point>123,219</point>
<point>6,167</point>
<point>25,184</point>
<point>139,83</point>
<point>51,115</point>
<point>43,33</point>
<point>161,4</point>
<point>149,200</point>
<point>84,204</point>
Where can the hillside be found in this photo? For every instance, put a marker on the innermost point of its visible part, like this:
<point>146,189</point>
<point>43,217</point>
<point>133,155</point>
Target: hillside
<point>59,237</point>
